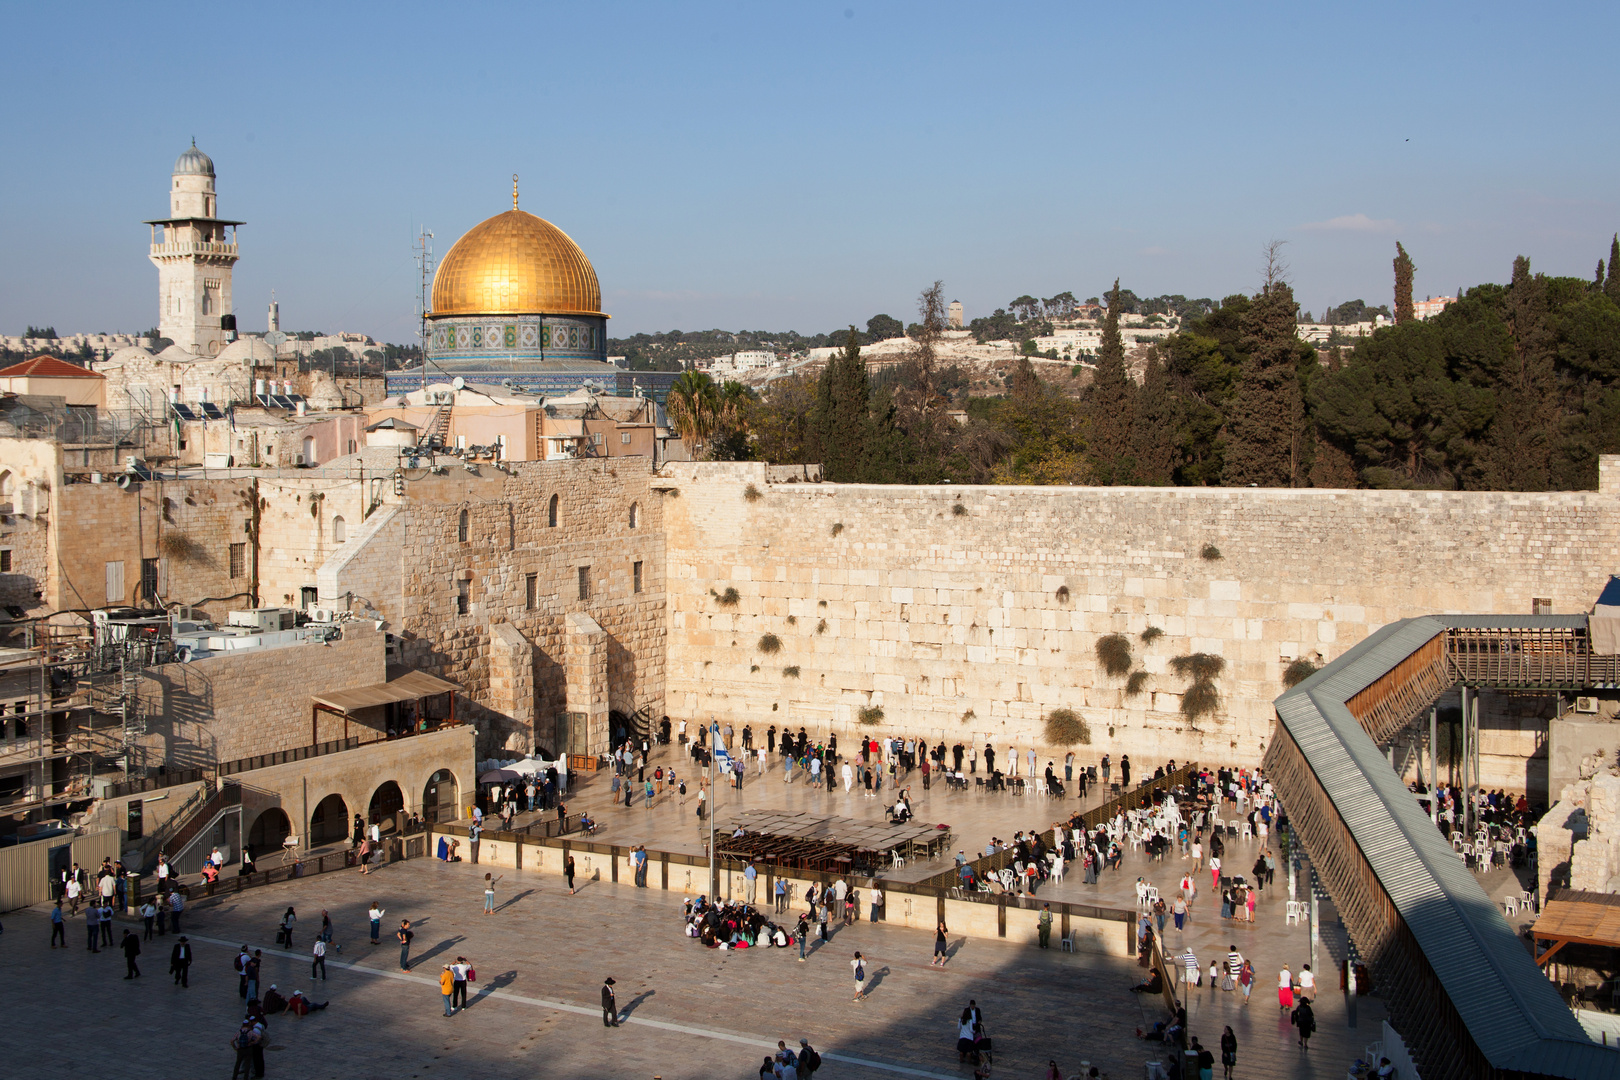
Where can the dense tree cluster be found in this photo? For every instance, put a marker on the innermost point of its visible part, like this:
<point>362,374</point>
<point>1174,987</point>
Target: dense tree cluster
<point>1514,387</point>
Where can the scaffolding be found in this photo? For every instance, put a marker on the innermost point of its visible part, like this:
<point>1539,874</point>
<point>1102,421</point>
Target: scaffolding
<point>72,713</point>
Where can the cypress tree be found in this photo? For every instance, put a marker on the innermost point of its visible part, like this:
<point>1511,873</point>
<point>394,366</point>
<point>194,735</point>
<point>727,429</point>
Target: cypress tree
<point>1110,403</point>
<point>1612,285</point>
<point>1404,312</point>
<point>1520,442</point>
<point>1264,421</point>
<point>841,422</point>
<point>1157,419</point>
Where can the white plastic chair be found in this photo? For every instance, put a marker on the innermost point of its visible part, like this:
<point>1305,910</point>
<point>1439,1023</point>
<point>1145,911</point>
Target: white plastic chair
<point>899,860</point>
<point>1293,913</point>
<point>1510,906</point>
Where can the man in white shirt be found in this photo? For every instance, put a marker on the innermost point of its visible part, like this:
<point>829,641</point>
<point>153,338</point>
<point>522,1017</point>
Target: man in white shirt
<point>318,960</point>
<point>1307,984</point>
<point>877,901</point>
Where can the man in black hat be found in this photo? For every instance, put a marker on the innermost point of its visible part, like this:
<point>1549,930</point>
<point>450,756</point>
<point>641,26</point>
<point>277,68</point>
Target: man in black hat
<point>610,1007</point>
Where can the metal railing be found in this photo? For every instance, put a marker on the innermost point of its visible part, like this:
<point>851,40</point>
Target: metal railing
<point>1558,658</point>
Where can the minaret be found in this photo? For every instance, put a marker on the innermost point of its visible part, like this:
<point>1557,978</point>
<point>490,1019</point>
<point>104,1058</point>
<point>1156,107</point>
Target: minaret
<point>194,251</point>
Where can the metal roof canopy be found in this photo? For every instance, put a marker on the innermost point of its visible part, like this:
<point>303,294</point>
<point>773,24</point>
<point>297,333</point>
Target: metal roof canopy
<point>1575,917</point>
<point>408,687</point>
<point>1512,1012</point>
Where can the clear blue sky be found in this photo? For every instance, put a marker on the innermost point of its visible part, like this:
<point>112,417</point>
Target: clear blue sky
<point>805,165</point>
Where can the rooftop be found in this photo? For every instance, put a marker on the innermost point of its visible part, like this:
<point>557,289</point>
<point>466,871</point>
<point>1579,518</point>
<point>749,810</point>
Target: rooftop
<point>48,367</point>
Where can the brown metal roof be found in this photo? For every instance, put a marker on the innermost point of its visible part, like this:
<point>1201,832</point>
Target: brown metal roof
<point>1583,918</point>
<point>408,687</point>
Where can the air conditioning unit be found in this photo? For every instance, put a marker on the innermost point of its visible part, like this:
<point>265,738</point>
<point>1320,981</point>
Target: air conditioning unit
<point>298,461</point>
<point>1586,704</point>
<point>320,614</point>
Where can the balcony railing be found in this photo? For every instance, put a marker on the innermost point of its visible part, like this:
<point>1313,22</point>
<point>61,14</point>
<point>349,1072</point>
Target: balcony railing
<point>193,247</point>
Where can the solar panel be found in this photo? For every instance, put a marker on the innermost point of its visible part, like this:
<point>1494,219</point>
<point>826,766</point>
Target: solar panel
<point>283,402</point>
<point>182,411</point>
<point>211,411</point>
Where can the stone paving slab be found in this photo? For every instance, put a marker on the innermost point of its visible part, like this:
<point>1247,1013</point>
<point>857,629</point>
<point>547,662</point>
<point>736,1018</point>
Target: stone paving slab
<point>694,1012</point>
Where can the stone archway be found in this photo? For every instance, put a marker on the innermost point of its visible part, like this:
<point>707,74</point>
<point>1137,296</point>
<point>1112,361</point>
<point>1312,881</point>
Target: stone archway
<point>386,801</point>
<point>269,829</point>
<point>441,797</point>
<point>329,821</point>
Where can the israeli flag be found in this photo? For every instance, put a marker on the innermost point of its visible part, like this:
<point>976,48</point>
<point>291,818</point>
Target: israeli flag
<point>722,758</point>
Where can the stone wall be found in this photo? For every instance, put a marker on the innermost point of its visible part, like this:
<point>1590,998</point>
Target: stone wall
<point>970,613</point>
<point>414,569</point>
<point>239,705</point>
<point>187,525</point>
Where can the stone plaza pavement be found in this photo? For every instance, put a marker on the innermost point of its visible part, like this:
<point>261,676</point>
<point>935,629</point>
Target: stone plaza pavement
<point>693,1012</point>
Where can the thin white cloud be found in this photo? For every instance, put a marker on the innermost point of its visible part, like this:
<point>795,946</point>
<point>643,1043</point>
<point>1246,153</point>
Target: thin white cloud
<point>1351,223</point>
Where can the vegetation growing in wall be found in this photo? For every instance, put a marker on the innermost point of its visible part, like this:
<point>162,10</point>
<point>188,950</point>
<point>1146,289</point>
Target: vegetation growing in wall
<point>1210,553</point>
<point>821,627</point>
<point>791,671</point>
<point>1114,653</point>
<point>837,527</point>
<point>182,548</point>
<point>1151,634</point>
<point>968,715</point>
<point>870,715</point>
<point>770,644</point>
<point>1063,594</point>
<point>1136,683</point>
<point>752,493</point>
<point>728,598</point>
<point>793,620</point>
<point>1201,698</point>
<point>1065,727</point>
<point>752,668</point>
<point>1298,672</point>
<point>959,510</point>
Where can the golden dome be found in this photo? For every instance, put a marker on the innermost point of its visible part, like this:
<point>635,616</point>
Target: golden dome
<point>516,263</point>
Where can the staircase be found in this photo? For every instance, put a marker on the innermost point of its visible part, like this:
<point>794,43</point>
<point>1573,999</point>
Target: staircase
<point>158,840</point>
<point>226,800</point>
<point>438,428</point>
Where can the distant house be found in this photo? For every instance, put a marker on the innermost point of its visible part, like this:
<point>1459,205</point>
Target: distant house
<point>46,376</point>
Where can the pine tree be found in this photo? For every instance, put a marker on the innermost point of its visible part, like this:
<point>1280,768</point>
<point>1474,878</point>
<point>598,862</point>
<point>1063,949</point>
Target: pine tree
<point>1612,285</point>
<point>1404,269</point>
<point>841,423</point>
<point>1110,403</point>
<point>1266,417</point>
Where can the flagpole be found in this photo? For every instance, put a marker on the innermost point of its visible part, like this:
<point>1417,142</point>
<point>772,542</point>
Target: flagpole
<point>714,796</point>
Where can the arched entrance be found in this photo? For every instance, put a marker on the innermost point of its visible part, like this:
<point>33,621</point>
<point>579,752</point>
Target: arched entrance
<point>386,801</point>
<point>439,797</point>
<point>269,830</point>
<point>329,821</point>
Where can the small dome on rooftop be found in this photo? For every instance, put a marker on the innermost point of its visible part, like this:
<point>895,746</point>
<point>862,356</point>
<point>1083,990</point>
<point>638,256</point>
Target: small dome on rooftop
<point>193,162</point>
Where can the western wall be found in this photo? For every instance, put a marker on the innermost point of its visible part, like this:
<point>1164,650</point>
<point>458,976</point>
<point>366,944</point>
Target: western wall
<point>968,613</point>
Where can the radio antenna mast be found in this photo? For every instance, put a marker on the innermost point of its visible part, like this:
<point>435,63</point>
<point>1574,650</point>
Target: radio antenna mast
<point>424,301</point>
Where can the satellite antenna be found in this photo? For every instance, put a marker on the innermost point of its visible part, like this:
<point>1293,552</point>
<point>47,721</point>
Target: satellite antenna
<point>458,383</point>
